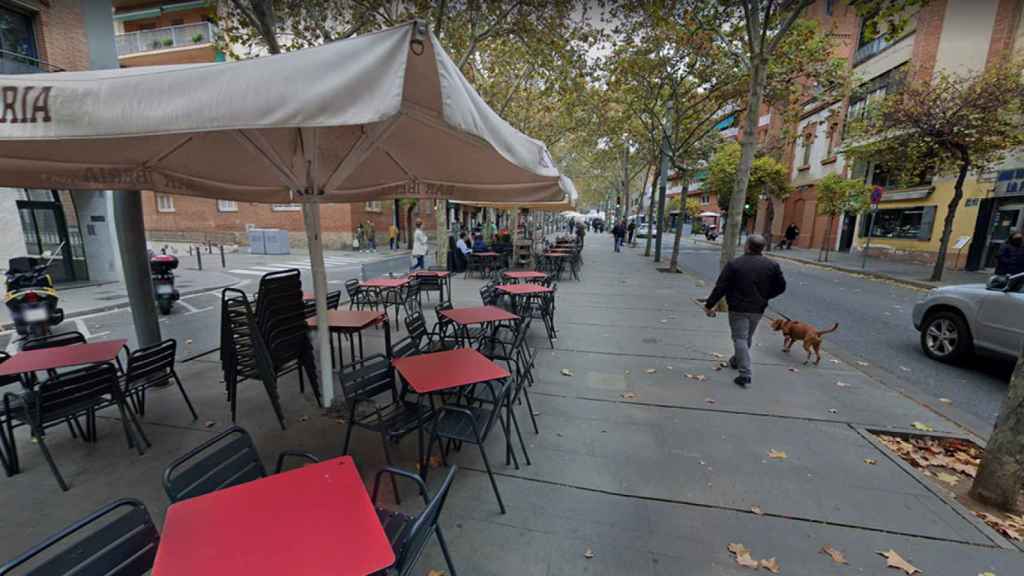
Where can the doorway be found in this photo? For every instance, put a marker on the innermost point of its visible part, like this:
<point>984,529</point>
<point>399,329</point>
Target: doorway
<point>847,232</point>
<point>45,227</point>
<point>1006,220</point>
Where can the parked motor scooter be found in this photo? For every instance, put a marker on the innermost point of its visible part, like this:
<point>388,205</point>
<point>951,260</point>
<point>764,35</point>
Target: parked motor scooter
<point>30,295</point>
<point>161,266</point>
<point>711,233</point>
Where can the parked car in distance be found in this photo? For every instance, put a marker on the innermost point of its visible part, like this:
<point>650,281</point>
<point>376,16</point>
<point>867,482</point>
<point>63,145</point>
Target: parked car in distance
<point>954,321</point>
<point>645,230</point>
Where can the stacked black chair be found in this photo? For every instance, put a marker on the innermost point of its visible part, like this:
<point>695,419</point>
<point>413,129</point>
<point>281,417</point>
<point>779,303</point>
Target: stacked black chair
<point>409,534</point>
<point>333,299</point>
<point>119,538</point>
<point>228,459</point>
<point>243,353</point>
<point>281,320</point>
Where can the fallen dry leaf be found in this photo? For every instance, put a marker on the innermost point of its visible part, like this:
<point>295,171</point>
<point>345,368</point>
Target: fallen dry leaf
<point>770,565</point>
<point>566,372</point>
<point>948,478</point>
<point>757,510</point>
<point>777,454</point>
<point>651,370</point>
<point>588,553</point>
<point>836,555</point>
<point>697,377</point>
<point>629,395</point>
<point>437,573</point>
<point>894,560</point>
<point>922,427</point>
<point>1009,528</point>
<point>717,355</point>
<point>870,461</point>
<point>986,574</point>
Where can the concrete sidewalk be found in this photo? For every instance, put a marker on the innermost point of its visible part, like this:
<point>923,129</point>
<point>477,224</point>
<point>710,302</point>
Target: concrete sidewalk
<point>911,273</point>
<point>648,461</point>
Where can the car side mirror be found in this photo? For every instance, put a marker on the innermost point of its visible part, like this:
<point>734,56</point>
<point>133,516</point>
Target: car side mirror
<point>1015,283</point>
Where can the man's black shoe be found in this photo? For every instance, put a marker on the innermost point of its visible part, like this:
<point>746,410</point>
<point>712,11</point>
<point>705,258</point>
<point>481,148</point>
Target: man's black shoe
<point>742,381</point>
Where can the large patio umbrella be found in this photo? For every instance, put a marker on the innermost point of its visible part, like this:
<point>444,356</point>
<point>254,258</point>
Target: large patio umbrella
<point>384,115</point>
<point>567,202</point>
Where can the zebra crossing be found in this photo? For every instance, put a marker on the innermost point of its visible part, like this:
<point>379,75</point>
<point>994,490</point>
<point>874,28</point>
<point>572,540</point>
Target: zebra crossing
<point>304,264</point>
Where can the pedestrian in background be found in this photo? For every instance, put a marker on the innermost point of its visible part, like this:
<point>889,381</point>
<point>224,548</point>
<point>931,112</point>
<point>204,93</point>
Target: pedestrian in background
<point>580,233</point>
<point>618,233</point>
<point>371,235</point>
<point>631,233</point>
<point>393,236</point>
<point>360,241</point>
<point>419,246</point>
<point>1010,260</point>
<point>747,283</point>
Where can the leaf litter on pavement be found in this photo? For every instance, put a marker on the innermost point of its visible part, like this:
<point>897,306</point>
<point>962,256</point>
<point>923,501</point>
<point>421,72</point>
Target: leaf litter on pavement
<point>953,463</point>
<point>837,556</point>
<point>894,560</point>
<point>743,557</point>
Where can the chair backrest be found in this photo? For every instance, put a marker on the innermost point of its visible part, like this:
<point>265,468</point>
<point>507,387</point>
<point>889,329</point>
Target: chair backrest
<point>373,377</point>
<point>226,460</point>
<point>70,391</point>
<point>410,546</point>
<point>352,287</point>
<point>53,341</point>
<point>119,539</point>
<point>408,346</point>
<point>333,300</point>
<point>151,364</point>
<point>416,326</point>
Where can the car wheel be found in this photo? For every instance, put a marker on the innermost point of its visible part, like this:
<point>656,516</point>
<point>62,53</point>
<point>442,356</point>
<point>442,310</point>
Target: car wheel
<point>945,336</point>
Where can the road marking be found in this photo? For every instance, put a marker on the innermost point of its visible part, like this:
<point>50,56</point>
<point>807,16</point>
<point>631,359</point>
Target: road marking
<point>252,272</point>
<point>80,324</point>
<point>198,310</point>
<point>187,306</point>
<point>12,347</point>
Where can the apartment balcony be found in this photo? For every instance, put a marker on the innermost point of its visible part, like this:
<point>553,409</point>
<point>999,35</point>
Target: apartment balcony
<point>185,36</point>
<point>869,50</point>
<point>14,63</point>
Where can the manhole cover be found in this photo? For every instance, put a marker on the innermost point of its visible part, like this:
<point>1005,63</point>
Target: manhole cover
<point>650,340</point>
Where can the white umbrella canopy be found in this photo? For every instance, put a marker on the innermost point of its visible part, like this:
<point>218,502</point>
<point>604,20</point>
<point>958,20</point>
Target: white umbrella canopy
<point>568,201</point>
<point>384,115</point>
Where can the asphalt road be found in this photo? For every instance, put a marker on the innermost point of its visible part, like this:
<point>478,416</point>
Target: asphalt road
<point>195,319</point>
<point>875,328</point>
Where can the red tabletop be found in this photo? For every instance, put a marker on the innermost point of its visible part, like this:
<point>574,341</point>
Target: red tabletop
<point>557,254</point>
<point>315,520</point>
<point>62,357</point>
<point>431,273</point>
<point>484,253</point>
<point>519,289</point>
<point>437,371</point>
<point>348,320</point>
<point>478,315</point>
<point>308,295</point>
<point>524,274</point>
<point>386,282</point>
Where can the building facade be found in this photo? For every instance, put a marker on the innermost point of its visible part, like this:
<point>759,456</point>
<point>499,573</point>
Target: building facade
<point>38,36</point>
<point>955,36</point>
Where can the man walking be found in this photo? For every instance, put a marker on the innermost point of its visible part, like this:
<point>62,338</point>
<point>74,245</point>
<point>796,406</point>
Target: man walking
<point>747,283</point>
<point>419,245</point>
<point>1010,260</point>
<point>618,232</point>
<point>393,236</point>
<point>631,233</point>
<point>371,235</point>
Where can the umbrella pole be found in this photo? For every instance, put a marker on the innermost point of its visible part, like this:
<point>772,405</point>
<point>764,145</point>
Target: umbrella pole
<point>131,242</point>
<point>311,216</point>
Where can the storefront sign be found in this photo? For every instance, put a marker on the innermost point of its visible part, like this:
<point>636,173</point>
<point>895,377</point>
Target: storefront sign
<point>1009,183</point>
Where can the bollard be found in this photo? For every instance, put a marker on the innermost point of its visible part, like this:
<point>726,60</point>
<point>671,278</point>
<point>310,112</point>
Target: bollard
<point>199,257</point>
<point>223,263</point>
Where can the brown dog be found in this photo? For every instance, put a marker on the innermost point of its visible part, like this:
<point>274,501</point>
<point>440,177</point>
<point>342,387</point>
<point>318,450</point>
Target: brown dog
<point>795,330</point>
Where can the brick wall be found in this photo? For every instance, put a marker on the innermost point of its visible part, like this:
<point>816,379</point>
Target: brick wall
<point>166,19</point>
<point>60,34</point>
<point>926,39</point>
<point>207,53</point>
<point>1004,30</point>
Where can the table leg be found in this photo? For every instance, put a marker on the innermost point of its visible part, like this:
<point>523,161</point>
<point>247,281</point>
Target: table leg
<point>387,339</point>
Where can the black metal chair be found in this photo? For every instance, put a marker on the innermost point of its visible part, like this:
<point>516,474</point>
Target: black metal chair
<point>411,302</point>
<point>4,449</point>
<point>333,299</point>
<point>409,534</point>
<point>150,367</point>
<point>228,459</point>
<point>53,341</point>
<point>119,539</point>
<point>377,405</point>
<point>469,419</point>
<point>358,297</point>
<point>66,396</point>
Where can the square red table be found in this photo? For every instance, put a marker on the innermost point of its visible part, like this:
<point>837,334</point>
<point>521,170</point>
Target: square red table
<point>478,315</point>
<point>430,273</point>
<point>521,289</point>
<point>349,320</point>
<point>524,275</point>
<point>312,520</point>
<point>62,357</point>
<point>448,369</point>
<point>386,282</point>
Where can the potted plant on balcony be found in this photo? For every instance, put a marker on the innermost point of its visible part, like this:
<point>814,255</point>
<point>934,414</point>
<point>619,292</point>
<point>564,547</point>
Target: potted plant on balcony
<point>197,38</point>
<point>155,44</point>
<point>168,42</point>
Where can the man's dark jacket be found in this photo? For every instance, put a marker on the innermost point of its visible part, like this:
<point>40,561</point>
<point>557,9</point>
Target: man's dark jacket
<point>748,283</point>
<point>1010,260</point>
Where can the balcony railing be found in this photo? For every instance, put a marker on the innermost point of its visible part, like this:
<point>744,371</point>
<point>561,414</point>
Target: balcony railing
<point>183,36</point>
<point>14,63</point>
<point>869,50</point>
